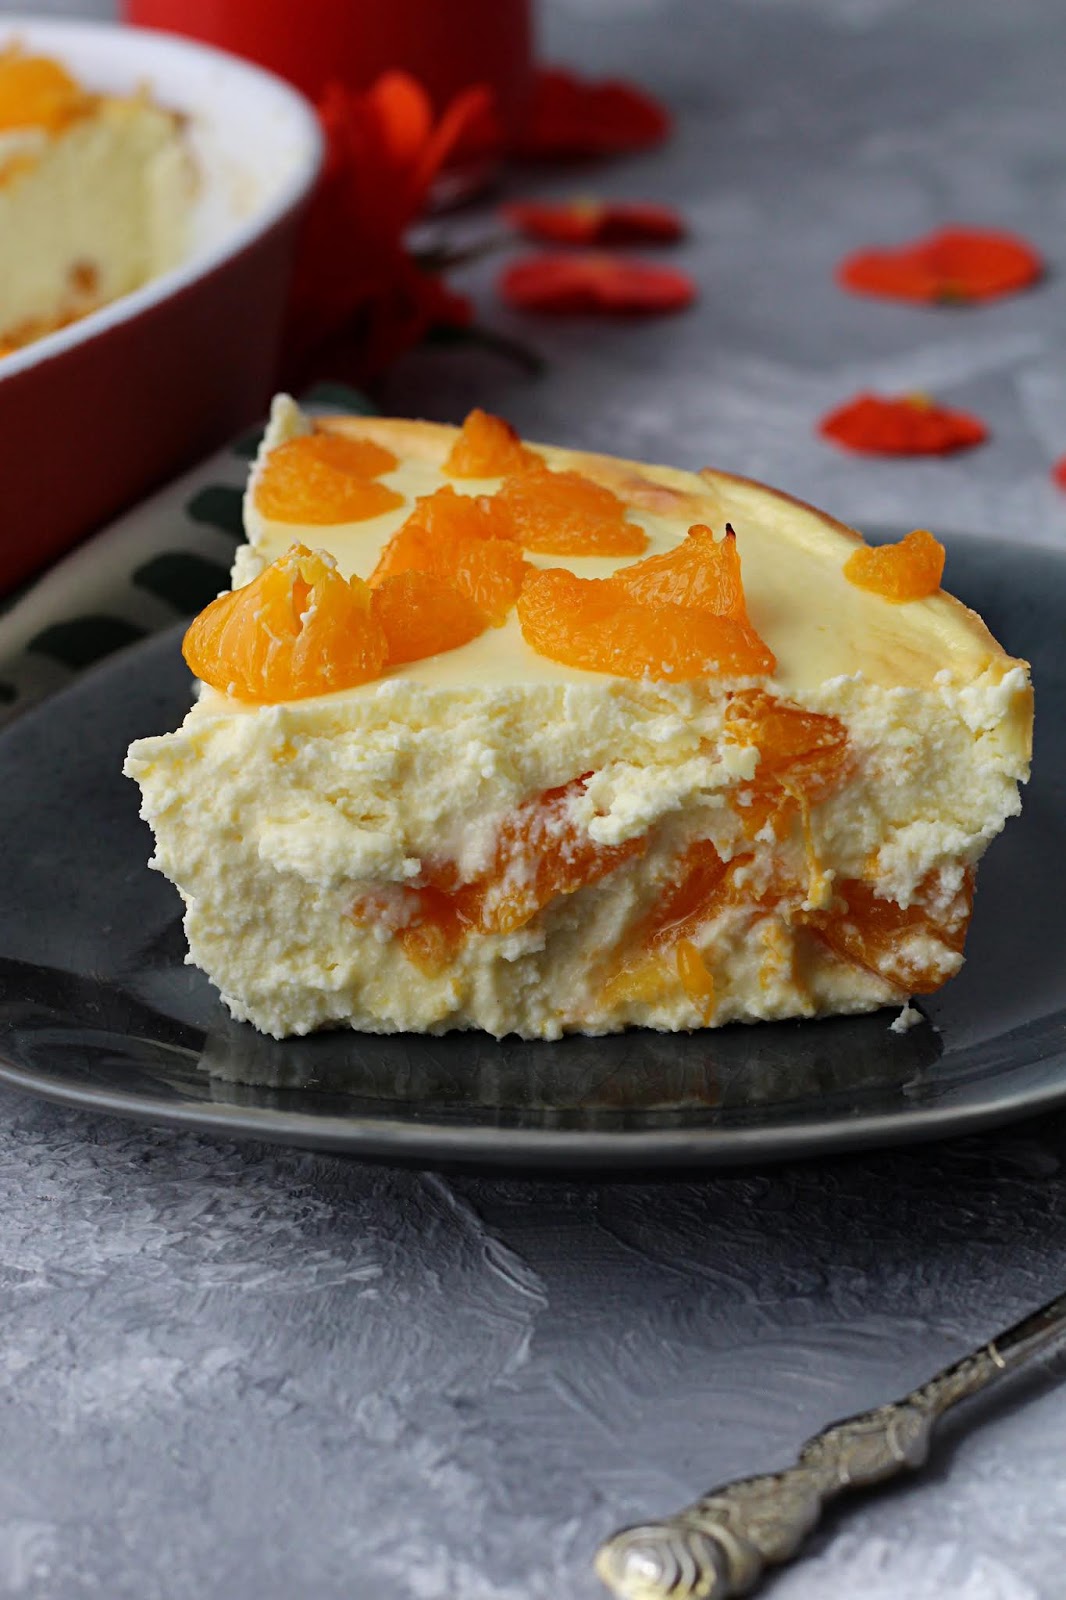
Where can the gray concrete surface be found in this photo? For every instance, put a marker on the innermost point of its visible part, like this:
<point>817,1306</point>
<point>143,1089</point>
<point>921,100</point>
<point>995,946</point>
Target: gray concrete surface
<point>244,1374</point>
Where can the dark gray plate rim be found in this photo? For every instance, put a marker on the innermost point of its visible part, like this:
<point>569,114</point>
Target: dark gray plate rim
<point>395,1140</point>
<point>1029,1048</point>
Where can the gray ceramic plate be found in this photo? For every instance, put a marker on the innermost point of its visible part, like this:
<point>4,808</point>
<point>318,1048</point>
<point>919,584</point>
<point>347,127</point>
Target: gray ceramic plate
<point>97,1008</point>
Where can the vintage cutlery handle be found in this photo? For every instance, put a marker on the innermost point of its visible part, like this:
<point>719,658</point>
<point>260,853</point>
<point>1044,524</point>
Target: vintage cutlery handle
<point>721,1545</point>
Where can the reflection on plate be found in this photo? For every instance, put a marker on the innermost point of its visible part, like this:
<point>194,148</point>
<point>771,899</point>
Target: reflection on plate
<point>98,1009</point>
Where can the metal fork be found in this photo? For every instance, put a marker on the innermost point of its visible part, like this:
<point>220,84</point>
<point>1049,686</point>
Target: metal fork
<point>721,1545</point>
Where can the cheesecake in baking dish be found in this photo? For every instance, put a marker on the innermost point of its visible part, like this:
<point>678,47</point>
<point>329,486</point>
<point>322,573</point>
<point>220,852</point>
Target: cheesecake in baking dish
<point>95,192</point>
<point>502,736</point>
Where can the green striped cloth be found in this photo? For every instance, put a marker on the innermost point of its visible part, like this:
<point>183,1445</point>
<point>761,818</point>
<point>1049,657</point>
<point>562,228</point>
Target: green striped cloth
<point>161,562</point>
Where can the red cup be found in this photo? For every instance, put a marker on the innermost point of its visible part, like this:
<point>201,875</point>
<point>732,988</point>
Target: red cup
<point>446,44</point>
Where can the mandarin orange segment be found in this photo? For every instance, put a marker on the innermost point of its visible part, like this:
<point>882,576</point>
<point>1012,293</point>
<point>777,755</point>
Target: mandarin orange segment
<point>363,458</point>
<point>446,512</point>
<point>887,938</point>
<point>409,550</point>
<point>806,749</point>
<point>299,629</point>
<point>646,981</point>
<point>489,572</point>
<point>702,572</point>
<point>542,853</point>
<point>36,92</point>
<point>591,623</point>
<point>433,938</point>
<point>421,615</point>
<point>803,757</point>
<point>488,447</point>
<point>909,570</point>
<point>701,887</point>
<point>700,883</point>
<point>566,514</point>
<point>323,478</point>
<point>696,978</point>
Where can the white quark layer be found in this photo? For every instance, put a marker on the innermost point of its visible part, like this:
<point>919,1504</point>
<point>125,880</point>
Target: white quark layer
<point>271,824</point>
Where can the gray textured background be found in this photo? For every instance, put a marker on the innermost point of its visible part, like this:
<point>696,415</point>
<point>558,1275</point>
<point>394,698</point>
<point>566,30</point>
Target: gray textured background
<point>239,1374</point>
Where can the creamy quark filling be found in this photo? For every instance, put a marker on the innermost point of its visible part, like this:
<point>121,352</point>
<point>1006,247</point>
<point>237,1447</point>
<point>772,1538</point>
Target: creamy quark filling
<point>395,862</point>
<point>488,838</point>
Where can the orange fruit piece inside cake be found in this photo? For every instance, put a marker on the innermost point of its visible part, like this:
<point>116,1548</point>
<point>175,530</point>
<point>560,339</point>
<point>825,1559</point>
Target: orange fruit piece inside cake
<point>555,742</point>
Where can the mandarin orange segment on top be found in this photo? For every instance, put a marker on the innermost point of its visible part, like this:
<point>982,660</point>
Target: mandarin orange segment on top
<point>908,570</point>
<point>36,92</point>
<point>447,512</point>
<point>421,615</point>
<point>592,623</point>
<point>363,458</point>
<point>488,447</point>
<point>567,514</point>
<point>702,571</point>
<point>299,629</point>
<point>321,478</point>
<point>457,546</point>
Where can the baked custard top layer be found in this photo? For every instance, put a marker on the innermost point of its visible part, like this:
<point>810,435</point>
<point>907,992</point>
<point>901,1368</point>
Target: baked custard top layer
<point>817,623</point>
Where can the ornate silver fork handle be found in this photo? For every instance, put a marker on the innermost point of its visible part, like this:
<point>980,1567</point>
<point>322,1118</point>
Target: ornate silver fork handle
<point>721,1545</point>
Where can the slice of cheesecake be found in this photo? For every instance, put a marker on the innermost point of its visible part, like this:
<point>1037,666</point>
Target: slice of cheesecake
<point>597,744</point>
<point>95,193</point>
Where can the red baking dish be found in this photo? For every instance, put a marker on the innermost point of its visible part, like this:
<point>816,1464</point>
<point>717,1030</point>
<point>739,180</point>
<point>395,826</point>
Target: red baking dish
<point>95,414</point>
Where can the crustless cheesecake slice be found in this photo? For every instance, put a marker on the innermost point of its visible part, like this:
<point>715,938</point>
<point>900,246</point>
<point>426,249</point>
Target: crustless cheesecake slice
<point>502,736</point>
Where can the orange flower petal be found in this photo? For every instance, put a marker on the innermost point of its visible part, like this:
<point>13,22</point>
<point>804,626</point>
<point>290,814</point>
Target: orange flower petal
<point>596,222</point>
<point>570,118</point>
<point>906,426</point>
<point>404,115</point>
<point>908,570</point>
<point>584,285</point>
<point>353,277</point>
<point>1058,472</point>
<point>954,266</point>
